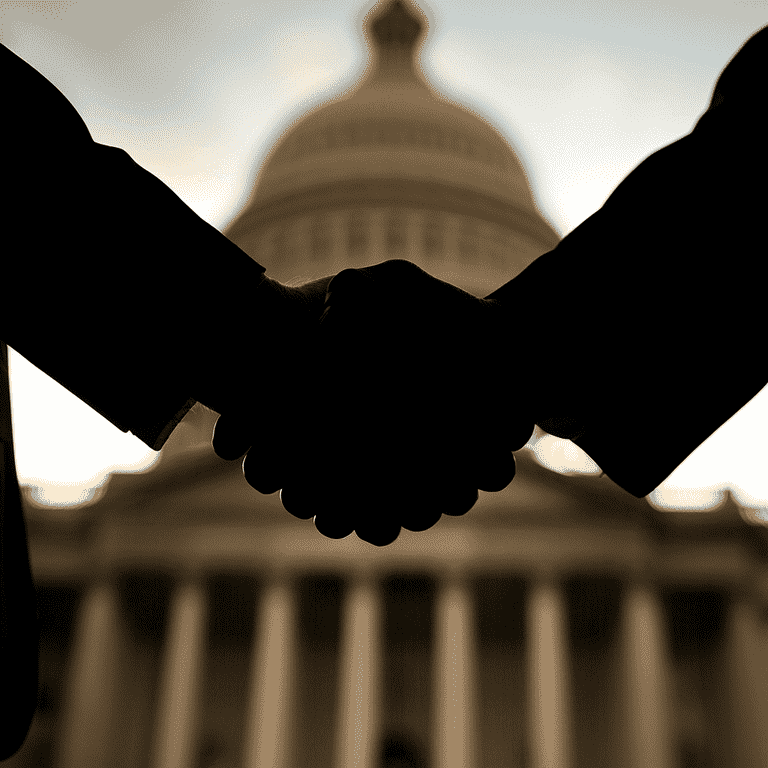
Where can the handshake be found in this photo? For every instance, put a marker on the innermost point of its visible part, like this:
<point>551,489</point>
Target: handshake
<point>387,398</point>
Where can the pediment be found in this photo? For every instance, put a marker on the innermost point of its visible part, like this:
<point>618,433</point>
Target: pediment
<point>189,485</point>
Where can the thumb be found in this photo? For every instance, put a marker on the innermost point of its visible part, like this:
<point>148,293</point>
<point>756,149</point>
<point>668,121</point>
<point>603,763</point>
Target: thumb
<point>232,437</point>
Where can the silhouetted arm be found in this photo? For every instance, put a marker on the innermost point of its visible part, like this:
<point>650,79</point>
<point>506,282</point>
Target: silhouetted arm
<point>648,316</point>
<point>113,286</point>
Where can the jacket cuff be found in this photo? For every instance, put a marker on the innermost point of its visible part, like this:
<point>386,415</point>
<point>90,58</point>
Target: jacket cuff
<point>639,445</point>
<point>157,426</point>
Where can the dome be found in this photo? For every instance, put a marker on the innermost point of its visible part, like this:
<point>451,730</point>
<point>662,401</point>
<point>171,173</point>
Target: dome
<point>395,144</point>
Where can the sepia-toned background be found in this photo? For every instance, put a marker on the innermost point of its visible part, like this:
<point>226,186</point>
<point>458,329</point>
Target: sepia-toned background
<point>189,621</point>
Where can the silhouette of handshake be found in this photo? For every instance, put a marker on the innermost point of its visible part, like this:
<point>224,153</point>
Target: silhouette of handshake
<point>398,401</point>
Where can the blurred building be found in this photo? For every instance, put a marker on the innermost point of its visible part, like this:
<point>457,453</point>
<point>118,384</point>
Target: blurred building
<point>189,622</point>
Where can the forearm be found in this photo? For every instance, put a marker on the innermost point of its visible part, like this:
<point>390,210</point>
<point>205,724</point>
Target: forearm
<point>535,327</point>
<point>624,355</point>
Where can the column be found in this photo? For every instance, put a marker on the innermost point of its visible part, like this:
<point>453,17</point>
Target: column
<point>179,684</point>
<point>550,731</point>
<point>272,673</point>
<point>360,689</point>
<point>455,694</point>
<point>646,682</point>
<point>747,681</point>
<point>90,694</point>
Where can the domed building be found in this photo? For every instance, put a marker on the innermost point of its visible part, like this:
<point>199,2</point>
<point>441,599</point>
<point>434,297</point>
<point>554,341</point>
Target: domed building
<point>190,622</point>
<point>394,170</point>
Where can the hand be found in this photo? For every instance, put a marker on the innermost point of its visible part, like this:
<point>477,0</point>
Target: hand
<point>262,414</point>
<point>423,407</point>
<point>341,423</point>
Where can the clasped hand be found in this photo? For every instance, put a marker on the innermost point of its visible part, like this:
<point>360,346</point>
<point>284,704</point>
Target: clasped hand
<point>390,400</point>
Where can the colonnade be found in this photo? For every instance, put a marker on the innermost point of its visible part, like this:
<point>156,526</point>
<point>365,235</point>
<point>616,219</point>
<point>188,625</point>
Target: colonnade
<point>645,675</point>
<point>359,236</point>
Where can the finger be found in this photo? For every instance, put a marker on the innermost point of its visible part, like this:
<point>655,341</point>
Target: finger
<point>449,489</point>
<point>459,502</point>
<point>422,519</point>
<point>264,470</point>
<point>334,526</point>
<point>518,435</point>
<point>379,532</point>
<point>299,501</point>
<point>494,470</point>
<point>231,437</point>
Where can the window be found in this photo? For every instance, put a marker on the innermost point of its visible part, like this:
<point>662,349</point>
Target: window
<point>396,232</point>
<point>357,233</point>
<point>282,245</point>
<point>320,238</point>
<point>496,246</point>
<point>460,144</point>
<point>433,235</point>
<point>468,241</point>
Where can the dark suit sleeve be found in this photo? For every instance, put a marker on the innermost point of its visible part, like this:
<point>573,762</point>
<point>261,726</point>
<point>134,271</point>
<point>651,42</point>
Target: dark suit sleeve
<point>19,626</point>
<point>112,285</point>
<point>653,308</point>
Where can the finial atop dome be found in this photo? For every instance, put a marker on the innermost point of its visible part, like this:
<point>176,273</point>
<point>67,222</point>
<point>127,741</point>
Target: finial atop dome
<point>395,31</point>
<point>396,27</point>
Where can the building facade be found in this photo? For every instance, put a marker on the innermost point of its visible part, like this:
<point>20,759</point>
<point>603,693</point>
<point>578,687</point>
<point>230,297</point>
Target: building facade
<point>190,622</point>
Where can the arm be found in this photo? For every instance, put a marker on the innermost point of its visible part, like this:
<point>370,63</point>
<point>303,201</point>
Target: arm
<point>644,317</point>
<point>116,289</point>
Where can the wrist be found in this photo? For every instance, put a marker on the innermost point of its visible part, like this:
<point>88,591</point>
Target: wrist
<point>555,367</point>
<point>526,353</point>
<point>250,318</point>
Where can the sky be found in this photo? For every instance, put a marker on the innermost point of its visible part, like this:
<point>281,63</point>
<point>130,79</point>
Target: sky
<point>198,92</point>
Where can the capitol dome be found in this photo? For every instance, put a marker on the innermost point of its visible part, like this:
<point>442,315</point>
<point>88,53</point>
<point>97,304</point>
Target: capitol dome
<point>393,170</point>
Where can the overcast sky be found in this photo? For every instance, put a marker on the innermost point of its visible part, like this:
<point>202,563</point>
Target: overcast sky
<point>197,93</point>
